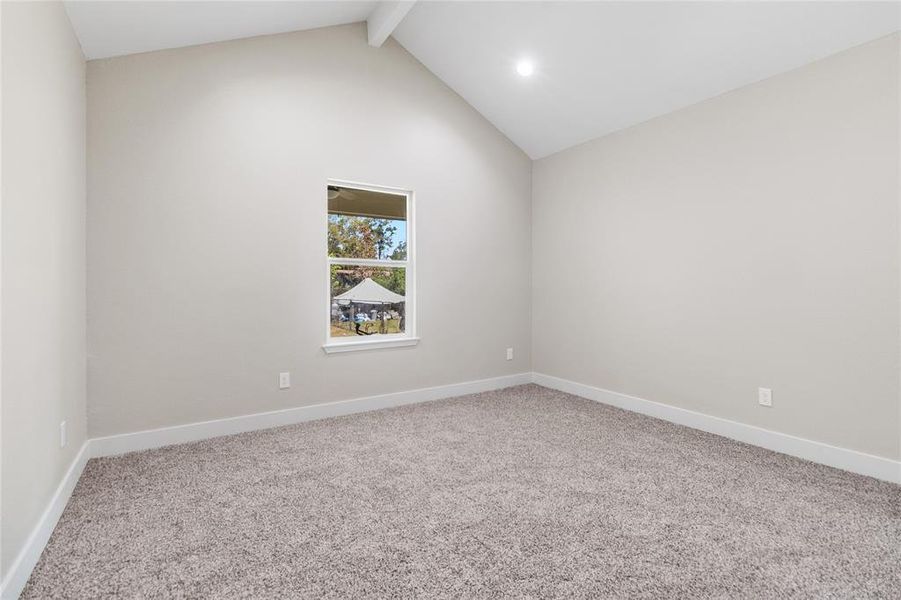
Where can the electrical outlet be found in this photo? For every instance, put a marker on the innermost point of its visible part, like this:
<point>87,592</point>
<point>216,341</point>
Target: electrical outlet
<point>509,353</point>
<point>284,381</point>
<point>765,396</point>
<point>63,437</point>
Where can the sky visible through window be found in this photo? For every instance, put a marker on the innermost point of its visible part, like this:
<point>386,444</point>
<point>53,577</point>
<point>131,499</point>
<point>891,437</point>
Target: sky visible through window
<point>399,237</point>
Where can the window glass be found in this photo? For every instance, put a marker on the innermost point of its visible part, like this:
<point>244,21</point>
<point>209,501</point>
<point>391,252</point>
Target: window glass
<point>367,300</point>
<point>366,224</point>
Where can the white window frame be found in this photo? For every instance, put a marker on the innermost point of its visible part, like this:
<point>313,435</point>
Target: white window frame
<point>390,340</point>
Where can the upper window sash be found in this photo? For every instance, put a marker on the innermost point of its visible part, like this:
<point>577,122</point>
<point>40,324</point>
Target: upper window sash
<point>367,223</point>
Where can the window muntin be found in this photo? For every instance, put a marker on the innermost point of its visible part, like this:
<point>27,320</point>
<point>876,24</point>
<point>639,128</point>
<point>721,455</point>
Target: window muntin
<point>370,265</point>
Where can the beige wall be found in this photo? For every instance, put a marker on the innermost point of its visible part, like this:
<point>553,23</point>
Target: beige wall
<point>43,261</point>
<point>748,241</point>
<point>206,226</point>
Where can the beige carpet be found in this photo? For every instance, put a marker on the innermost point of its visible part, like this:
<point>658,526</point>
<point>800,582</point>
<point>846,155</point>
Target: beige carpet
<point>523,492</point>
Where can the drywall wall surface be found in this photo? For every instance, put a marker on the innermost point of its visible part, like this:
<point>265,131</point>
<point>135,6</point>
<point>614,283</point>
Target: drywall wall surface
<point>43,262</point>
<point>207,226</point>
<point>747,241</point>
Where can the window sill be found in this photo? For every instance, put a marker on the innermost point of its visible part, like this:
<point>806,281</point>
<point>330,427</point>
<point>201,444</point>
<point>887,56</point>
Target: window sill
<point>400,342</point>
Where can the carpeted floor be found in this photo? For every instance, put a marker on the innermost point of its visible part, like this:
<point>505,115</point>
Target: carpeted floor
<point>522,492</point>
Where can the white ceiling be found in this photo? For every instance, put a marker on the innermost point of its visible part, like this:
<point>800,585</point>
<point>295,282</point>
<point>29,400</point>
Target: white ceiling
<point>116,28</point>
<point>599,66</point>
<point>603,66</point>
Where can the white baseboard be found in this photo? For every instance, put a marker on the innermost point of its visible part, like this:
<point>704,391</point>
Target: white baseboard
<point>24,563</point>
<point>167,436</point>
<point>818,452</point>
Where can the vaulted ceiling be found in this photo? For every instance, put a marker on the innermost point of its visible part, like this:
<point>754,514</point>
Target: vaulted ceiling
<point>598,66</point>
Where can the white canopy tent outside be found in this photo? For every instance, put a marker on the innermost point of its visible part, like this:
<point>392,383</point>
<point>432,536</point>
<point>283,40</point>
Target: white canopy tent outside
<point>369,292</point>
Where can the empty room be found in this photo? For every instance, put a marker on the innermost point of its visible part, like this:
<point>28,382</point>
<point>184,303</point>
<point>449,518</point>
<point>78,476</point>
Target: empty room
<point>439,299</point>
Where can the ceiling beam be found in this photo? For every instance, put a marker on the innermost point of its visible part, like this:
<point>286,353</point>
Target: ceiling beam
<point>385,18</point>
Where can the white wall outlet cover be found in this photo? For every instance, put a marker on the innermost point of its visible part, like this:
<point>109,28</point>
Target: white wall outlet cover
<point>765,396</point>
<point>284,381</point>
<point>509,353</point>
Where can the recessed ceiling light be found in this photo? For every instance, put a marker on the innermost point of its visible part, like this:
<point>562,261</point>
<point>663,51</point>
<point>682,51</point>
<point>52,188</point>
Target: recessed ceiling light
<point>525,68</point>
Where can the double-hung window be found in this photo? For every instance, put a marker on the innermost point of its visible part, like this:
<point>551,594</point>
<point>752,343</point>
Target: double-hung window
<point>371,278</point>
